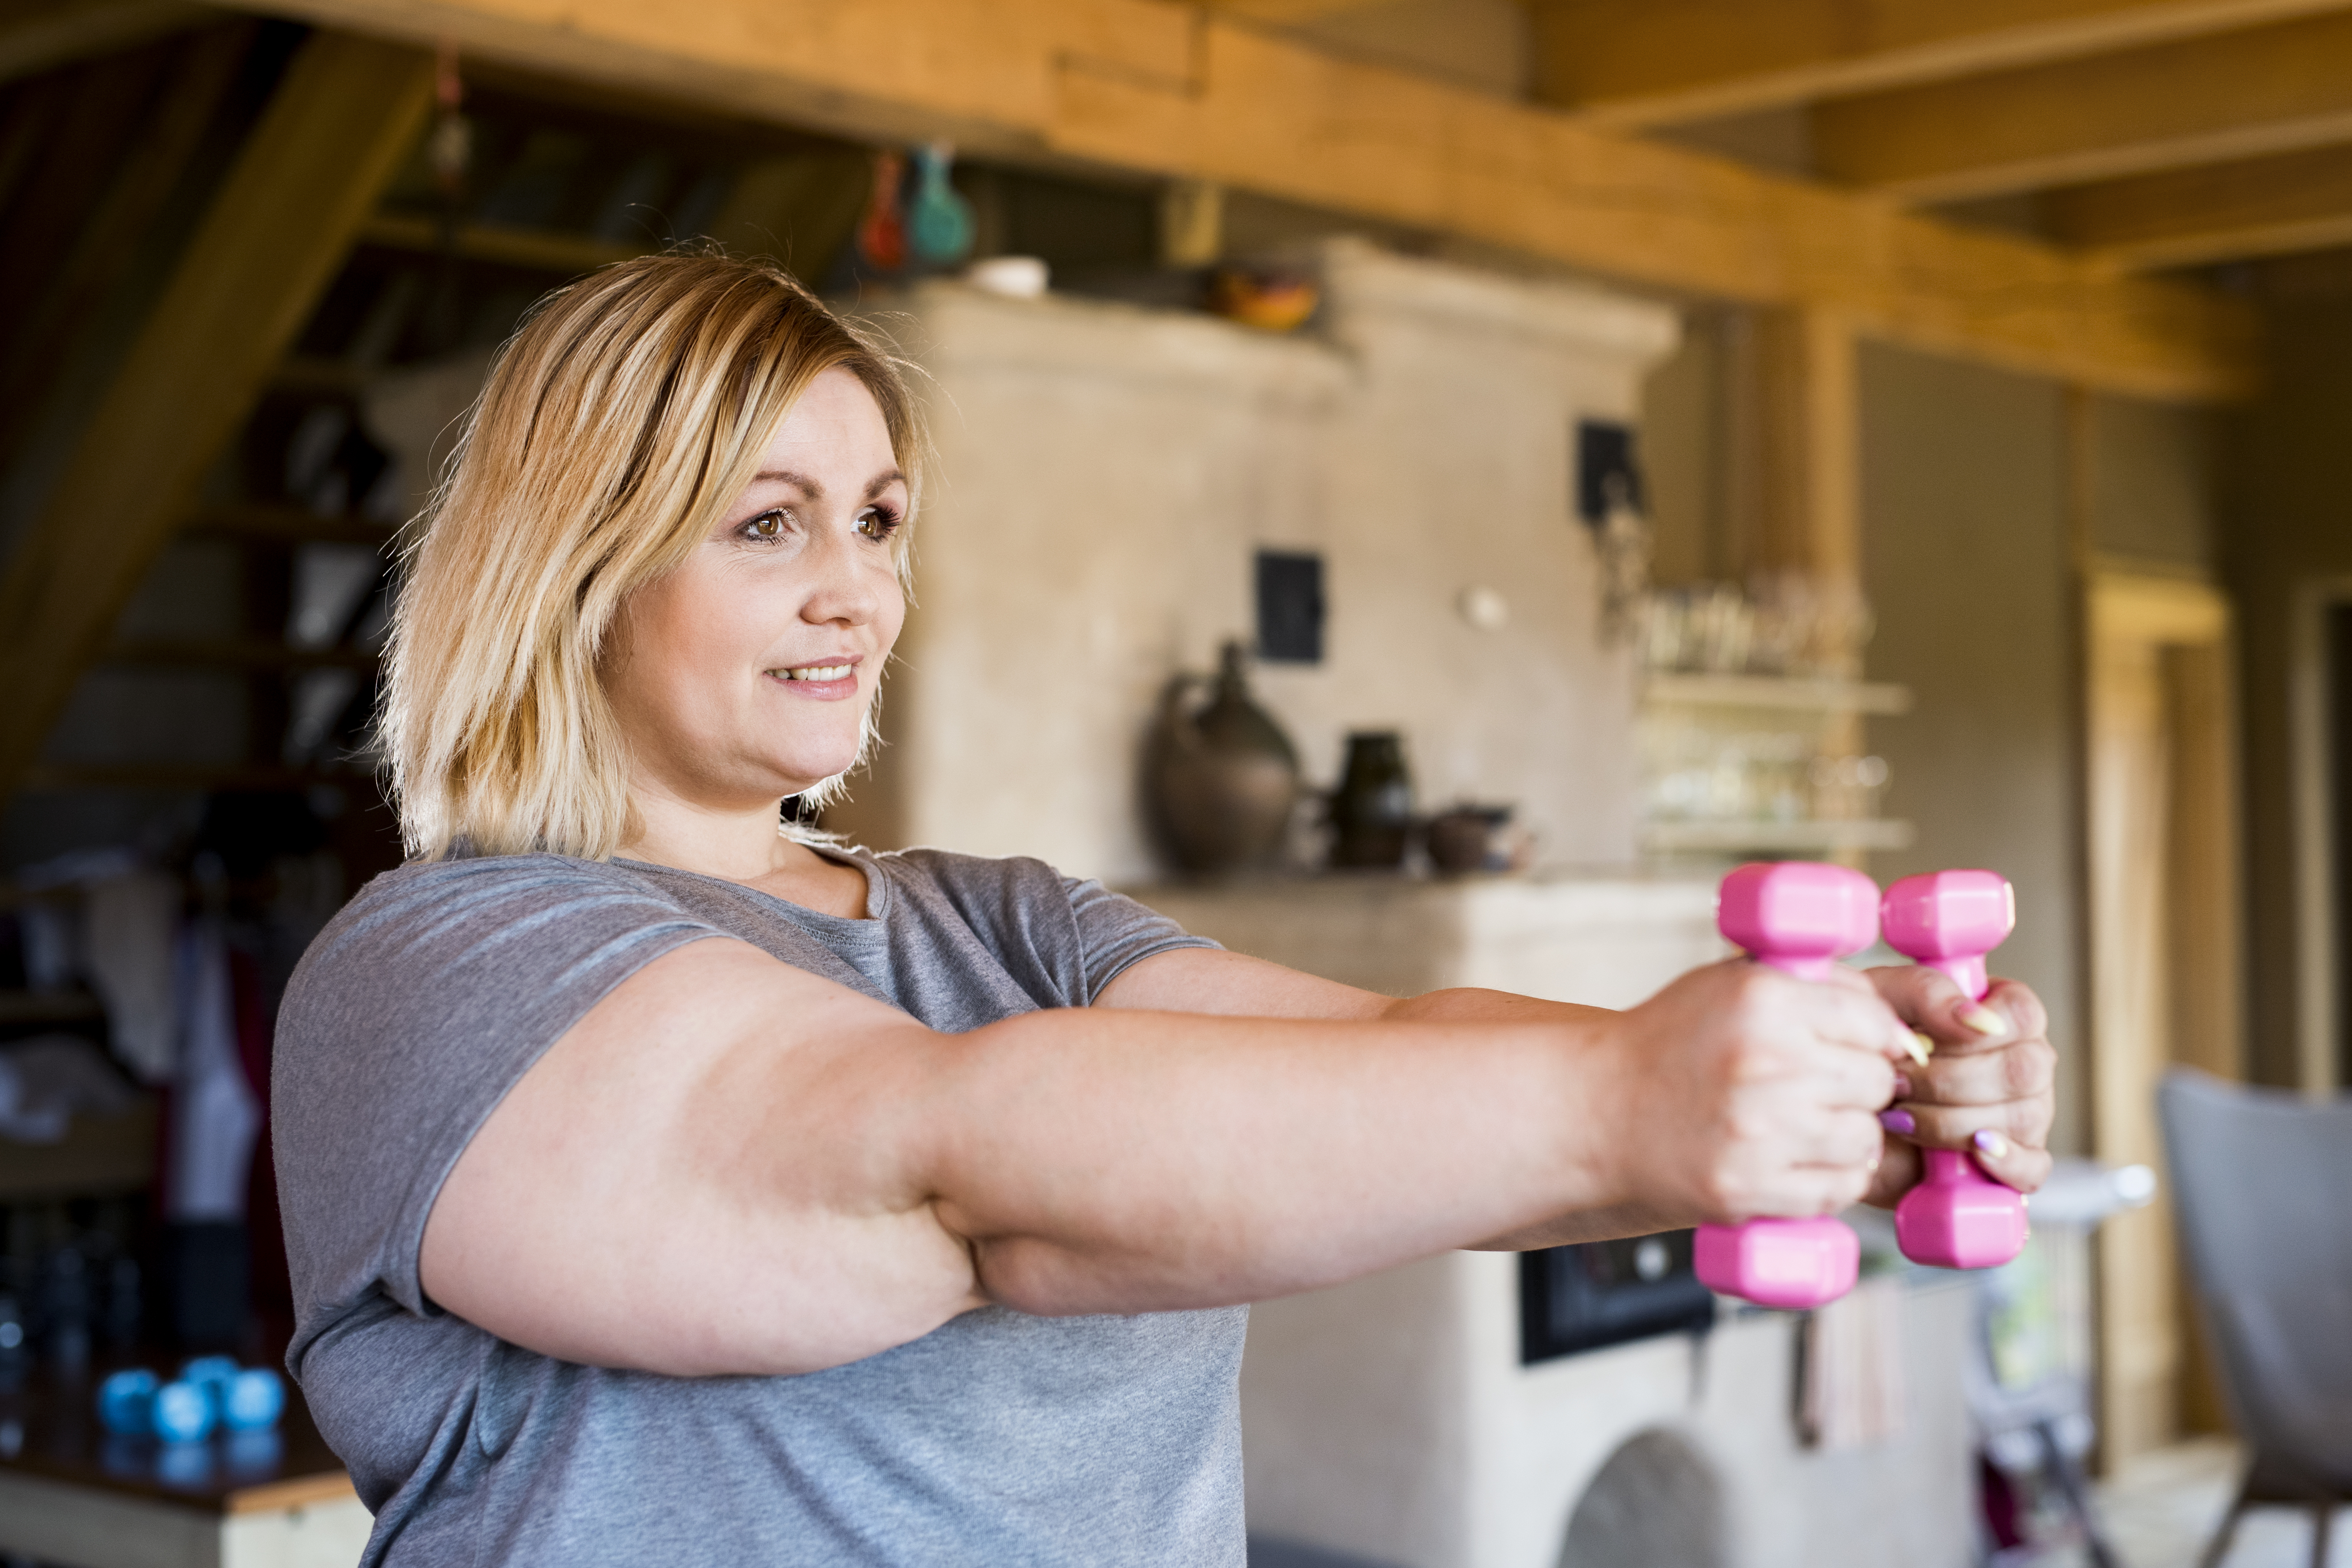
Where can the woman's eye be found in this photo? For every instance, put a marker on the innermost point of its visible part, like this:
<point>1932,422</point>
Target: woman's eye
<point>877,523</point>
<point>768,527</point>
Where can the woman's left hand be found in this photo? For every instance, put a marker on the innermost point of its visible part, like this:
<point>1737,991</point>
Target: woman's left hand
<point>1986,1088</point>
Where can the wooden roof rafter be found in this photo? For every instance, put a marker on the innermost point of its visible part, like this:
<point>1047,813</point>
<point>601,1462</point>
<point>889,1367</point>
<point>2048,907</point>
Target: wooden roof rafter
<point>2140,135</point>
<point>1632,63</point>
<point>2279,206</point>
<point>1175,91</point>
<point>2241,94</point>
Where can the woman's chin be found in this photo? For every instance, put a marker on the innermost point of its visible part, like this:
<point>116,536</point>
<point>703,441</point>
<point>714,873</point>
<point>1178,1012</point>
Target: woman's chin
<point>800,774</point>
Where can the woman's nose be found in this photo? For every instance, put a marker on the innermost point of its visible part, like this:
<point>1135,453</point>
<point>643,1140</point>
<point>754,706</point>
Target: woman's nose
<point>847,586</point>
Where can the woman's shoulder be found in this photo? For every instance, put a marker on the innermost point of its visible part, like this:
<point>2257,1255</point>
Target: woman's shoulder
<point>489,874</point>
<point>987,886</point>
<point>948,869</point>
<point>457,885</point>
<point>429,911</point>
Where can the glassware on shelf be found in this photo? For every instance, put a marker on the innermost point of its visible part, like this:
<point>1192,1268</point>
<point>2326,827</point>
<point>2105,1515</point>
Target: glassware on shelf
<point>1847,789</point>
<point>1719,766</point>
<point>1785,623</point>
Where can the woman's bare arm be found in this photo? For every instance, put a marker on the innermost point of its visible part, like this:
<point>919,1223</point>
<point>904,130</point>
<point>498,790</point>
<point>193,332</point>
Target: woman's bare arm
<point>730,1165</point>
<point>1995,1074</point>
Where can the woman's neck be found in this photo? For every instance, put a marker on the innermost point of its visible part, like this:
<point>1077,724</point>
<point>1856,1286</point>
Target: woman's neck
<point>749,848</point>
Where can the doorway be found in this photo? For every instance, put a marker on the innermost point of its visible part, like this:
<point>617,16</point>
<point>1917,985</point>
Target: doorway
<point>2164,956</point>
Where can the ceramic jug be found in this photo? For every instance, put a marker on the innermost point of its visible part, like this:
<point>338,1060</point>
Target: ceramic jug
<point>1220,779</point>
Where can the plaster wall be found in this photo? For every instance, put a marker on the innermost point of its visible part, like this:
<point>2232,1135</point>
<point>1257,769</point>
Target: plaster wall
<point>1966,560</point>
<point>1106,475</point>
<point>2154,484</point>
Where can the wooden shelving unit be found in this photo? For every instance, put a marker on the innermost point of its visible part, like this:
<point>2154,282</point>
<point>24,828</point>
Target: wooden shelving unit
<point>506,245</point>
<point>1797,838</point>
<point>99,1154</point>
<point>18,1007</point>
<point>1775,691</point>
<point>285,525</point>
<point>235,653</point>
<point>1788,703</point>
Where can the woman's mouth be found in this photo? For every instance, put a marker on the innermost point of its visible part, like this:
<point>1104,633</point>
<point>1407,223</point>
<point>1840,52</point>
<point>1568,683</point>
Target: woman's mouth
<point>830,681</point>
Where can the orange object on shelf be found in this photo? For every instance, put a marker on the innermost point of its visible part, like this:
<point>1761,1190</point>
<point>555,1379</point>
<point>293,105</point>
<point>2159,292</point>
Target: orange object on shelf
<point>882,231</point>
<point>1270,302</point>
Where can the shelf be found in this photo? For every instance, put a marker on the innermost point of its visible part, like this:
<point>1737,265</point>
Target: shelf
<point>316,377</point>
<point>233,653</point>
<point>542,248</point>
<point>1775,691</point>
<point>99,1154</point>
<point>48,1007</point>
<point>1806,837</point>
<point>184,776</point>
<point>288,525</point>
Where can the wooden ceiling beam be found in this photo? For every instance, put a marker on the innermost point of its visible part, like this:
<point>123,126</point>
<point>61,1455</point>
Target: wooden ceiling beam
<point>2238,95</point>
<point>1282,13</point>
<point>1656,62</point>
<point>345,113</point>
<point>43,35</point>
<point>2219,212</point>
<point>1143,87</point>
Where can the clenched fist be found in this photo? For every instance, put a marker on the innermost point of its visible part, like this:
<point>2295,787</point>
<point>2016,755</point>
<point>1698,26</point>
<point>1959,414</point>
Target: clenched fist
<point>1986,1087</point>
<point>1741,1092</point>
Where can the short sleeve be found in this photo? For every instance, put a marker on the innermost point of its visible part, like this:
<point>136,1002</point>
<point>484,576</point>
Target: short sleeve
<point>1114,931</point>
<point>407,1021</point>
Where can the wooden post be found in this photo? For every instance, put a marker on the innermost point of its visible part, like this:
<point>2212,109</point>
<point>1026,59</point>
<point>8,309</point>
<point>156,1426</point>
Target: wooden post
<point>333,134</point>
<point>1802,476</point>
<point>1809,422</point>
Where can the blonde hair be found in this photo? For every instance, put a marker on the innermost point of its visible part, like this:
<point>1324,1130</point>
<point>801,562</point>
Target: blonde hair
<point>629,411</point>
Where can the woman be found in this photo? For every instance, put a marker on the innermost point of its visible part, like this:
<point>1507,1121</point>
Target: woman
<point>662,1188</point>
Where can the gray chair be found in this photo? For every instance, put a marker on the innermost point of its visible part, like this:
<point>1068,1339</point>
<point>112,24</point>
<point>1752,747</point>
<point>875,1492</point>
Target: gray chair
<point>2262,1186</point>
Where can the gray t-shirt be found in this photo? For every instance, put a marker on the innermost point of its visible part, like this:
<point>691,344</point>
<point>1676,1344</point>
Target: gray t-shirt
<point>998,1438</point>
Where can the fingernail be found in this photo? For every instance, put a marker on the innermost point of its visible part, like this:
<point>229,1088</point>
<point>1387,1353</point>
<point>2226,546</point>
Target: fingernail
<point>1901,1122</point>
<point>1902,1087</point>
<point>1984,1020</point>
<point>1921,1047</point>
<point>1991,1144</point>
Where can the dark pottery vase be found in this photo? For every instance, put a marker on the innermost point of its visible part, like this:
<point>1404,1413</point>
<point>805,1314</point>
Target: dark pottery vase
<point>1219,781</point>
<point>1372,807</point>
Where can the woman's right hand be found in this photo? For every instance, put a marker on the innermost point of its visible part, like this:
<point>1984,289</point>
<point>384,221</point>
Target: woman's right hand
<point>1741,1092</point>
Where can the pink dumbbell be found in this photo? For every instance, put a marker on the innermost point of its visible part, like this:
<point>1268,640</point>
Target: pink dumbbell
<point>1957,1217</point>
<point>1800,917</point>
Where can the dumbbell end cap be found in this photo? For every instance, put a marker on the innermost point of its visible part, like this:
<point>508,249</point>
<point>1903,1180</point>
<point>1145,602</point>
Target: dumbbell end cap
<point>1798,910</point>
<point>1791,1264</point>
<point>1948,914</point>
<point>1979,1225</point>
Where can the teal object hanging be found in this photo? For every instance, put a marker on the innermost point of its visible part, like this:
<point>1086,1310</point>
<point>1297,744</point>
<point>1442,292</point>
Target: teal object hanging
<point>938,220</point>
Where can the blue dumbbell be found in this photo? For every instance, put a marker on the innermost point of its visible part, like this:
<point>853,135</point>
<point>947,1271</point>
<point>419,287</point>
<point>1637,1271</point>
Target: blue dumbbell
<point>212,1373</point>
<point>183,1413</point>
<point>253,1400</point>
<point>126,1403</point>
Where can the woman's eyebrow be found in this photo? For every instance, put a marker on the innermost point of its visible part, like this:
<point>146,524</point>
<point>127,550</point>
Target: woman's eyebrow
<point>816,491</point>
<point>807,486</point>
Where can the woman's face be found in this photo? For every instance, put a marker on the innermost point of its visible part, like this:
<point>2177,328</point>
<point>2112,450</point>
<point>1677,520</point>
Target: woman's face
<point>744,676</point>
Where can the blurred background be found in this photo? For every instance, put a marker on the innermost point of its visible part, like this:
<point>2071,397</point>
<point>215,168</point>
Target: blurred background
<point>1424,488</point>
